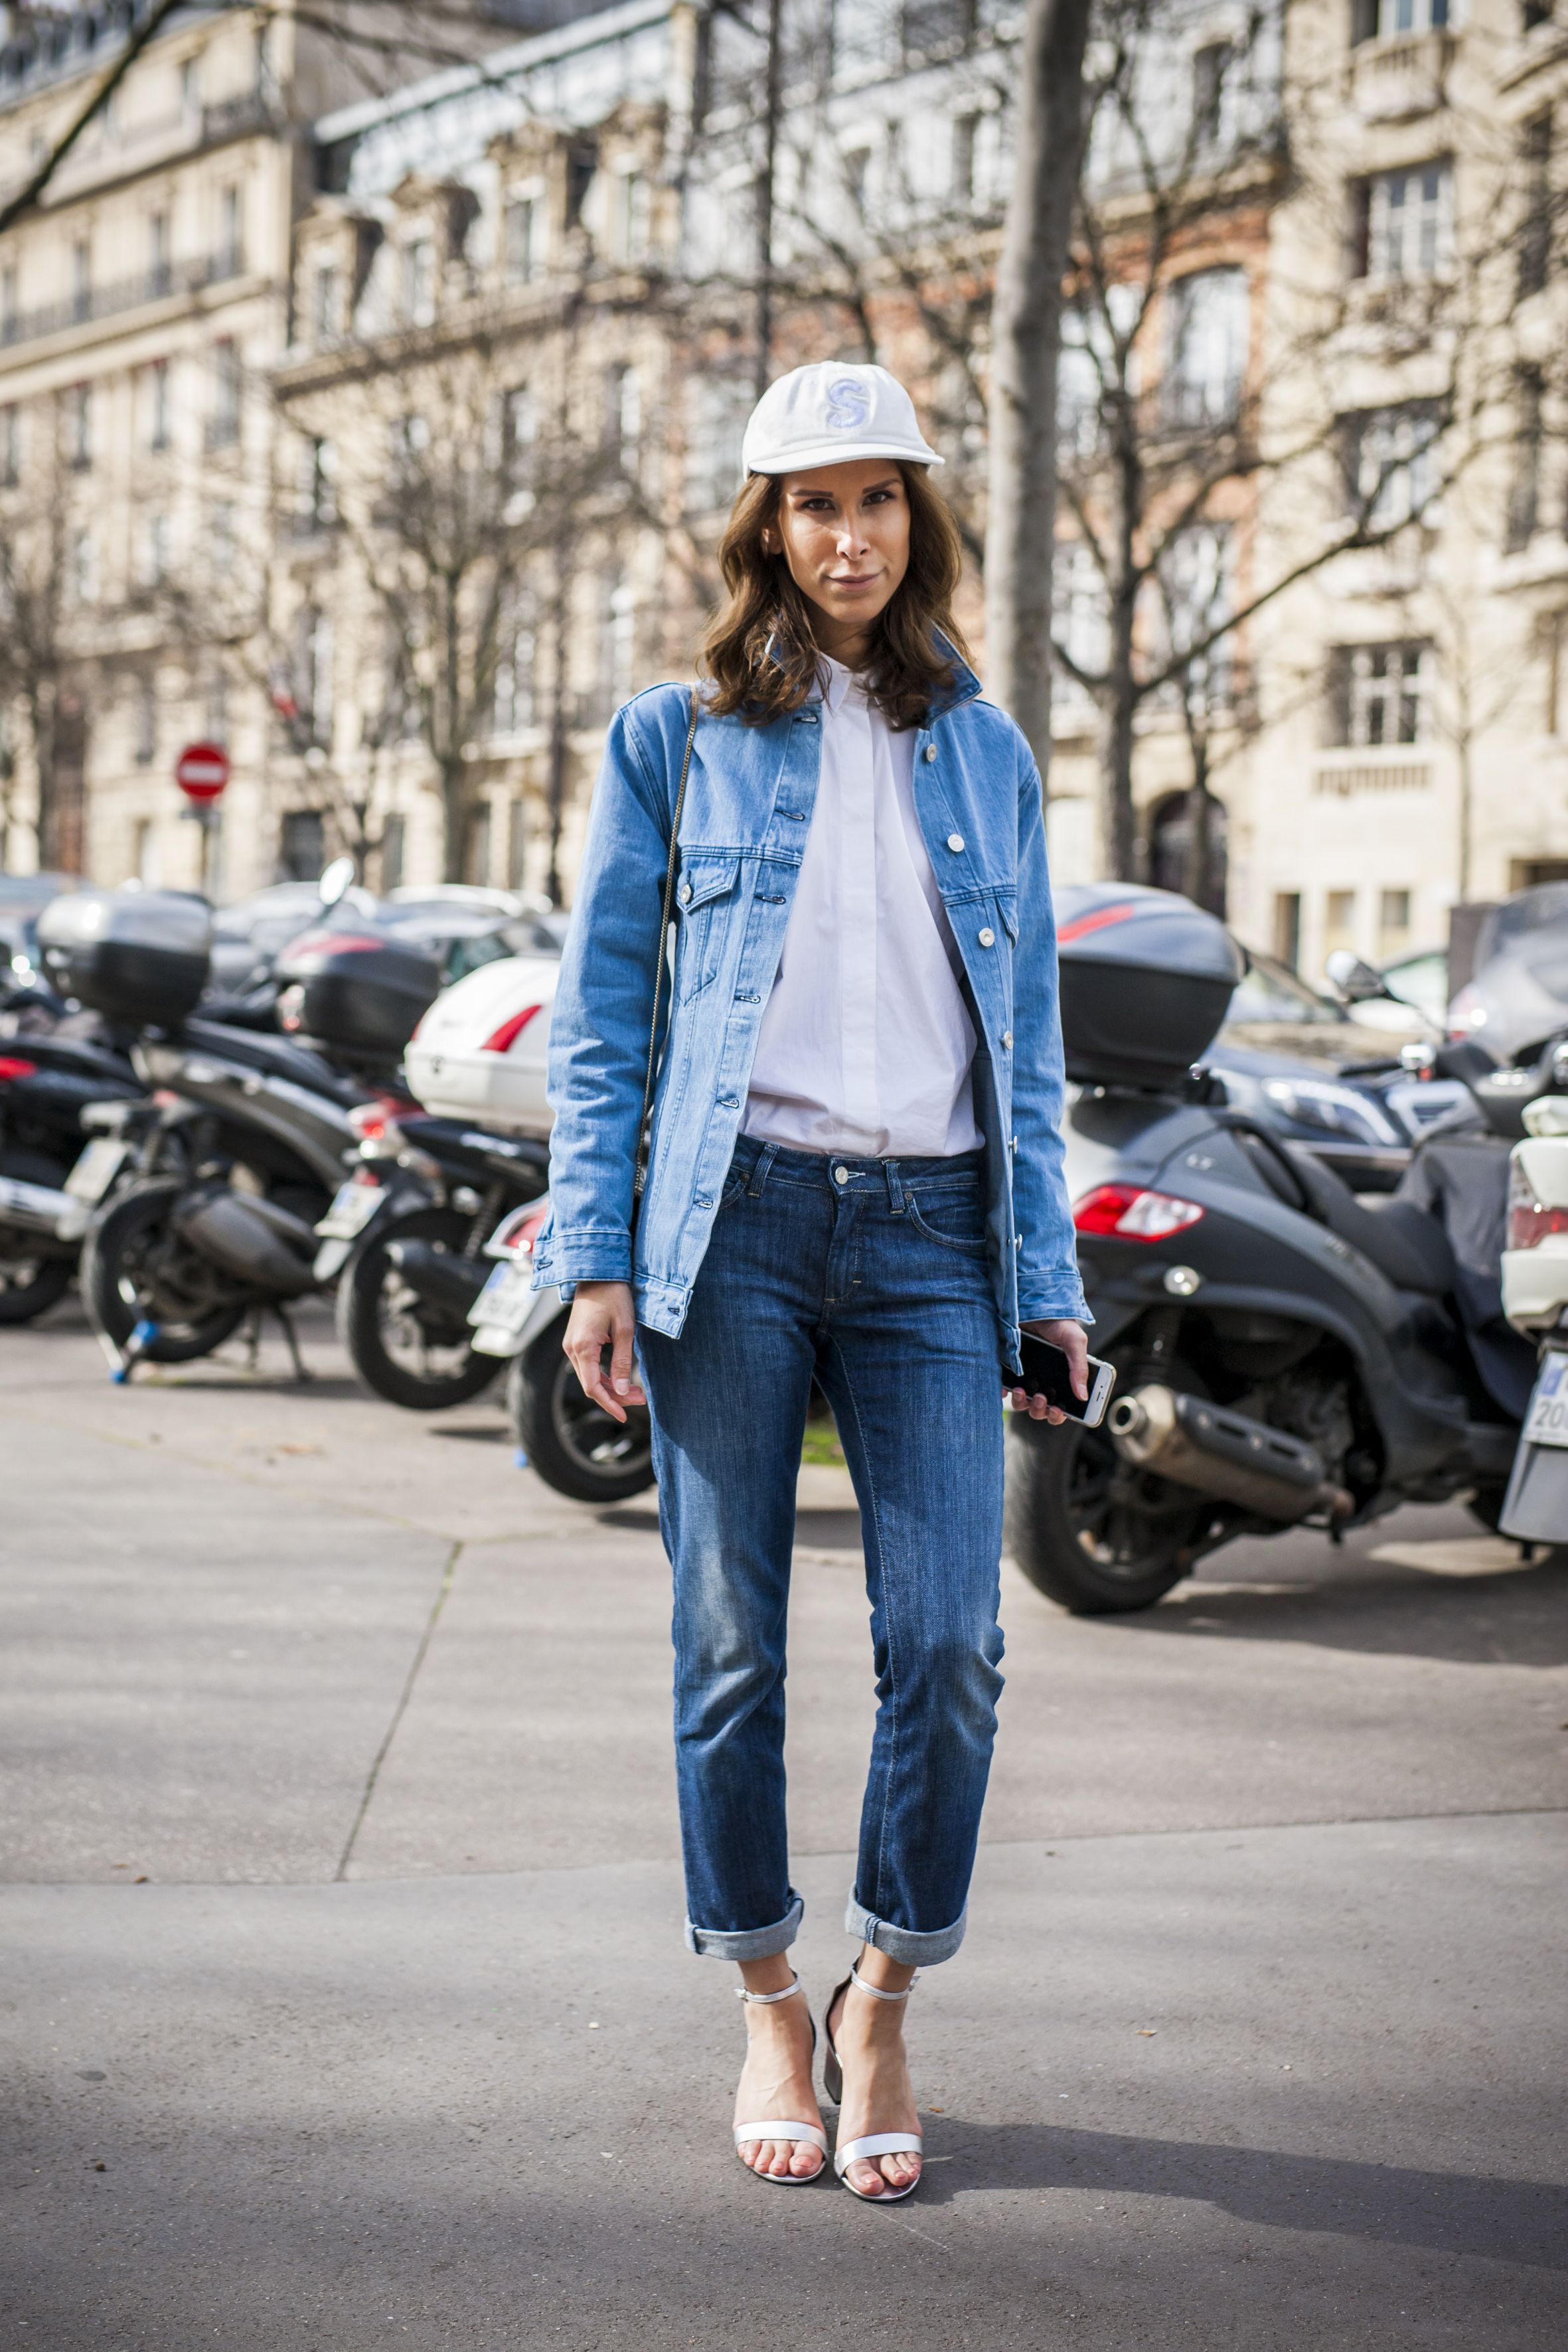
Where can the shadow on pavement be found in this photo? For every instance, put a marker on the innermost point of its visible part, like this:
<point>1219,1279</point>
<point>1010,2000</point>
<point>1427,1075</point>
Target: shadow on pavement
<point>1446,2212</point>
<point>1513,1618</point>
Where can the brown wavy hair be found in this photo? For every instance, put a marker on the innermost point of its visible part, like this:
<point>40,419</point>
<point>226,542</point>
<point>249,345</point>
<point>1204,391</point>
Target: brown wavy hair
<point>759,651</point>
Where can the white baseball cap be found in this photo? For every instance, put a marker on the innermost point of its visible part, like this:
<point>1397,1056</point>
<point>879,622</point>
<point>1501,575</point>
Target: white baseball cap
<point>830,413</point>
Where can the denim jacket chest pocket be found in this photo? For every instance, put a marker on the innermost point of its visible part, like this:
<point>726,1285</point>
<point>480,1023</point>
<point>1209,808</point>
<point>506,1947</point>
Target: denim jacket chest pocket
<point>704,896</point>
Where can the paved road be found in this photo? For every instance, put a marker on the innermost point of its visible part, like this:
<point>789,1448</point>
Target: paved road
<point>344,2002</point>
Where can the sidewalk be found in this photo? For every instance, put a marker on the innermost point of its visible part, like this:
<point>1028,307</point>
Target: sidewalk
<point>343,1911</point>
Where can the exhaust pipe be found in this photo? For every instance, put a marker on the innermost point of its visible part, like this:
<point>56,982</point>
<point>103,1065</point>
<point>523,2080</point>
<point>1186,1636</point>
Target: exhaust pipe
<point>450,1285</point>
<point>1224,1453</point>
<point>39,1209</point>
<point>258,1243</point>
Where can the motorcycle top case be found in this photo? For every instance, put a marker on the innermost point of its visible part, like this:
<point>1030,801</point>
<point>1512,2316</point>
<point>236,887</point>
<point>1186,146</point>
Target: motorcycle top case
<point>1146,977</point>
<point>479,1051</point>
<point>139,957</point>
<point>361,990</point>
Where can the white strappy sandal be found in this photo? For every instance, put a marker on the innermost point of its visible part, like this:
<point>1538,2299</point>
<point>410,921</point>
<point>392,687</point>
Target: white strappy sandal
<point>874,2144</point>
<point>750,2132</point>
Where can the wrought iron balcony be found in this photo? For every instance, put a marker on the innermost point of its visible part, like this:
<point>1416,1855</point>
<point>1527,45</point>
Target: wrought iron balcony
<point>121,294</point>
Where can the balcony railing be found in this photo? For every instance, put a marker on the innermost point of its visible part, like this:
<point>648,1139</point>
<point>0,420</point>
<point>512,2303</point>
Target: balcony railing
<point>121,295</point>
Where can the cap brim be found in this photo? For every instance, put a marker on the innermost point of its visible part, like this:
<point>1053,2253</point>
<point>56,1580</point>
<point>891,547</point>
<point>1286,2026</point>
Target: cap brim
<point>834,453</point>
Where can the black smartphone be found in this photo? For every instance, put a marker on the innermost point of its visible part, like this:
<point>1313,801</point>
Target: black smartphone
<point>1047,1373</point>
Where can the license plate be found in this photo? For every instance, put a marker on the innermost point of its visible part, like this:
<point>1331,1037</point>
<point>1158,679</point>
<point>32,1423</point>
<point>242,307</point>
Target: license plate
<point>350,1214</point>
<point>1546,1423</point>
<point>96,1168</point>
<point>505,1300</point>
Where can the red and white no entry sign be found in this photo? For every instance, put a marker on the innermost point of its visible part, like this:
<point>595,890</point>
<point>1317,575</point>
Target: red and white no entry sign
<point>202,770</point>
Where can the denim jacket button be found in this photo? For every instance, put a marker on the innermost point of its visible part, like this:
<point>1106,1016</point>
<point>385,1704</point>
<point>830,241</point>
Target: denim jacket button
<point>931,750</point>
<point>702,1202</point>
<point>955,842</point>
<point>1006,1037</point>
<point>684,893</point>
<point>987,939</point>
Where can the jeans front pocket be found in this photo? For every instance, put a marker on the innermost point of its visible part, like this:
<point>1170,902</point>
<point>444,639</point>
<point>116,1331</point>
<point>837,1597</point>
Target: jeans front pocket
<point>952,1215</point>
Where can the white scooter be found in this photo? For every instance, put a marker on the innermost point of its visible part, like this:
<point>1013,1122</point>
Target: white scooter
<point>1536,1300</point>
<point>573,1444</point>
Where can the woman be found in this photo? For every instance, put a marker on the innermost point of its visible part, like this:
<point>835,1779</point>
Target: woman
<point>854,1176</point>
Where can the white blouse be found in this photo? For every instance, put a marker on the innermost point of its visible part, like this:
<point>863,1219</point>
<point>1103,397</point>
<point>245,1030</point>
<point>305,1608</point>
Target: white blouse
<point>866,1042</point>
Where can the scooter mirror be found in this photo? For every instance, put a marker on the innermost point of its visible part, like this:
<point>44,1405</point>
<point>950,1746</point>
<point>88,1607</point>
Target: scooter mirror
<point>1353,980</point>
<point>337,880</point>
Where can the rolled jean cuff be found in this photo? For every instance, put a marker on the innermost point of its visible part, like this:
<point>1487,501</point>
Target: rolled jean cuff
<point>905,1944</point>
<point>746,1943</point>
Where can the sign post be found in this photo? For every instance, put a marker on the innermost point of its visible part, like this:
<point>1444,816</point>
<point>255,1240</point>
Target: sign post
<point>202,772</point>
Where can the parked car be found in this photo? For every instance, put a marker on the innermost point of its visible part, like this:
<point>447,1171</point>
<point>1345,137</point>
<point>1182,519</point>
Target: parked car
<point>1518,997</point>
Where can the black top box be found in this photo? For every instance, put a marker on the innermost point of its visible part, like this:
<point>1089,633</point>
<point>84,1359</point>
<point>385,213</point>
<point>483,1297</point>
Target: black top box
<point>356,989</point>
<point>139,957</point>
<point>1146,978</point>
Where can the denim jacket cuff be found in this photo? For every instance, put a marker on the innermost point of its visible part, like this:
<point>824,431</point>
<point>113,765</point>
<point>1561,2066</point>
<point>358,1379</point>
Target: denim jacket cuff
<point>584,1256</point>
<point>1061,1306</point>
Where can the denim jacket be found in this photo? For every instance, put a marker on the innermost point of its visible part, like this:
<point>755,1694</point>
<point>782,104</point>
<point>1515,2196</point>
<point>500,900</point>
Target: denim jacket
<point>749,801</point>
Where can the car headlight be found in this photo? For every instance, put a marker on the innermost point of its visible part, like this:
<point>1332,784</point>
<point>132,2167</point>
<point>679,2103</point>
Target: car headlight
<point>1334,1110</point>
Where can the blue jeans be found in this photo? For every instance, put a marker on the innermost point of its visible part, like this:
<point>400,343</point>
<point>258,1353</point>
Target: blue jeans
<point>871,1276</point>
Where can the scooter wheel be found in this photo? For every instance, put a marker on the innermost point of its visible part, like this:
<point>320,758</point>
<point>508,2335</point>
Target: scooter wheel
<point>136,1269</point>
<point>399,1349</point>
<point>574,1445</point>
<point>1084,1533</point>
<point>32,1275</point>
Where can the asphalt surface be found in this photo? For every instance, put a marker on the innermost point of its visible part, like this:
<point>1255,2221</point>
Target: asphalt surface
<point>344,2002</point>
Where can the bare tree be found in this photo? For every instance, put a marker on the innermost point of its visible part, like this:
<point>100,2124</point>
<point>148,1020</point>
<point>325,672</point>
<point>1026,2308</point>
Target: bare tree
<point>42,586</point>
<point>1050,123</point>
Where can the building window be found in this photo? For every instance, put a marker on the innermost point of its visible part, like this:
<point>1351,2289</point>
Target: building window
<point>318,483</point>
<point>10,447</point>
<point>159,274</point>
<point>523,239</point>
<point>1535,238</point>
<point>392,836</point>
<point>1391,463</point>
<point>144,862</point>
<point>960,158</point>
<point>1383,694</point>
<point>190,88</point>
<point>1393,924</point>
<point>158,404</point>
<point>1079,623</point>
<point>82,278</point>
<point>221,541</point>
<point>513,703</point>
<point>302,845</point>
<point>8,328</point>
<point>81,568</point>
<point>1338,921</point>
<point>716,410</point>
<point>1206,352</point>
<point>419,282</point>
<point>78,426</point>
<point>857,167</point>
<point>1212,111</point>
<point>146,721</point>
<point>517,846</point>
<point>224,427</point>
<point>1524,491</point>
<point>155,551</point>
<point>1392,20</point>
<point>927,26</point>
<point>623,415</point>
<point>628,217</point>
<point>217,707</point>
<point>1402,223</point>
<point>1195,600</point>
<point>1533,13</point>
<point>1288,928</point>
<point>230,243</point>
<point>312,670</point>
<point>324,312</point>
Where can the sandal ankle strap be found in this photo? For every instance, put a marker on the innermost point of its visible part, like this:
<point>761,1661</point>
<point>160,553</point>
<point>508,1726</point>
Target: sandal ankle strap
<point>877,1991</point>
<point>766,2000</point>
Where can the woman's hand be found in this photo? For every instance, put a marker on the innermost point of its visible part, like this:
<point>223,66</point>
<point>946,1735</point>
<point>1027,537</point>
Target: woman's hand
<point>604,1315</point>
<point>1070,1338</point>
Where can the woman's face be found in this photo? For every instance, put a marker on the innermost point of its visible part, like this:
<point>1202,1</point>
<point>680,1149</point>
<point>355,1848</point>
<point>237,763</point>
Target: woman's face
<point>844,531</point>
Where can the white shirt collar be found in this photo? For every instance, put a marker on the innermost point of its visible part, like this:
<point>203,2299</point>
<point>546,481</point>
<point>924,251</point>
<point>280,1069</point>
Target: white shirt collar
<point>838,683</point>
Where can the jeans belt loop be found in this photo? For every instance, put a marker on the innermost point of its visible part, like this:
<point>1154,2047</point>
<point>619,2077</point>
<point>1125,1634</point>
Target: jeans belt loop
<point>895,1189</point>
<point>765,1157</point>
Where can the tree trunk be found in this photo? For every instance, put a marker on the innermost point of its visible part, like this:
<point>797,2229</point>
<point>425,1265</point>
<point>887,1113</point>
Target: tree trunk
<point>1025,341</point>
<point>1118,703</point>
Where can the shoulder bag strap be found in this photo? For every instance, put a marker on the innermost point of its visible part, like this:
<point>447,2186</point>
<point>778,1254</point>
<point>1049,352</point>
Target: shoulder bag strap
<point>640,1178</point>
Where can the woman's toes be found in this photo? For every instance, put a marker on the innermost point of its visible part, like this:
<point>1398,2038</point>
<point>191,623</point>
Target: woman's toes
<point>806,2161</point>
<point>868,2177</point>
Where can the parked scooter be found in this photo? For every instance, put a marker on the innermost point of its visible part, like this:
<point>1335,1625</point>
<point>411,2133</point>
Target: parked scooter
<point>404,1238</point>
<point>173,1262</point>
<point>53,1168</point>
<point>573,1443</point>
<point>1535,1299</point>
<point>1285,1356</point>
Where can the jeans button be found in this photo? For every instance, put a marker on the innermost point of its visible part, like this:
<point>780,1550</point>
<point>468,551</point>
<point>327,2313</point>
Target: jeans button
<point>841,1175</point>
